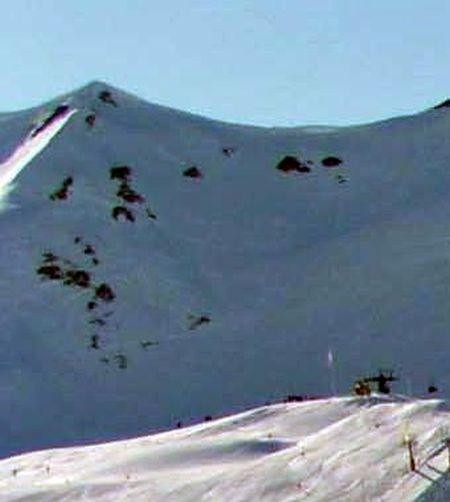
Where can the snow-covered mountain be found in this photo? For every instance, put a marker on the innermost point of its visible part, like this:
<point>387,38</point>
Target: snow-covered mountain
<point>158,267</point>
<point>339,449</point>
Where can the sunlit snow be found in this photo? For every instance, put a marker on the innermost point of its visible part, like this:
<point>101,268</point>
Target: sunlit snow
<point>338,449</point>
<point>26,150</point>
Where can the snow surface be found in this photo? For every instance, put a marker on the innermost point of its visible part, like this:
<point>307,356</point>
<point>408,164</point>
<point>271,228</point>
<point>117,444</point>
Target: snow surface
<point>284,266</point>
<point>340,449</point>
<point>26,150</point>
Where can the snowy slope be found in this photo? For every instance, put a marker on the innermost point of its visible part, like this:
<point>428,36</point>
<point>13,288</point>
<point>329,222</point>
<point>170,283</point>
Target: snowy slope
<point>35,141</point>
<point>225,290</point>
<point>340,449</point>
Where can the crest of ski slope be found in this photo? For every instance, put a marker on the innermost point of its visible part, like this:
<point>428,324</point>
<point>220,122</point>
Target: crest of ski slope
<point>34,142</point>
<point>159,267</point>
<point>340,449</point>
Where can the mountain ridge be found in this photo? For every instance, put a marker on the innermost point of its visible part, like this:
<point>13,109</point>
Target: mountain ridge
<point>214,291</point>
<point>86,94</point>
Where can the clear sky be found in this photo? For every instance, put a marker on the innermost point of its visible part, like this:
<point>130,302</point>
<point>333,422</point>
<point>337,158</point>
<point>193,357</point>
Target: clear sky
<point>266,62</point>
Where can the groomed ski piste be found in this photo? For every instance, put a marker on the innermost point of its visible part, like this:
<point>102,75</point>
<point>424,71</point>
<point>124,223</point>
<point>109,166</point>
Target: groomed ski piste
<point>335,449</point>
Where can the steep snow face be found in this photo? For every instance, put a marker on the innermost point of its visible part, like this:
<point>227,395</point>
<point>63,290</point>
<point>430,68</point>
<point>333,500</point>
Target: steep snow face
<point>342,449</point>
<point>35,141</point>
<point>158,266</point>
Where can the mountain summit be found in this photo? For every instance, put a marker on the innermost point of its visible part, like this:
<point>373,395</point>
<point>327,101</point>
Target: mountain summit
<point>158,266</point>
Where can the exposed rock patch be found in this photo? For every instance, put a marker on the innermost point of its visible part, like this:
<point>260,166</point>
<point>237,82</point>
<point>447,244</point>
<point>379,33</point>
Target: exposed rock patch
<point>63,192</point>
<point>106,97</point>
<point>444,104</point>
<point>331,161</point>
<point>292,164</point>
<point>193,172</point>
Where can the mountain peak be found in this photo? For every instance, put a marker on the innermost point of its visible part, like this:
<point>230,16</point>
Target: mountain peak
<point>149,246</point>
<point>85,95</point>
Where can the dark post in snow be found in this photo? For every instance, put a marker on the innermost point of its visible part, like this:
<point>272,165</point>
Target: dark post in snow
<point>412,461</point>
<point>447,444</point>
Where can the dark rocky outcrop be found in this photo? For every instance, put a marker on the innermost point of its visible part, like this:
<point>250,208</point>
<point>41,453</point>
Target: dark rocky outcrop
<point>121,173</point>
<point>122,211</point>
<point>95,342</point>
<point>59,112</point>
<point>129,195</point>
<point>291,164</point>
<point>294,398</point>
<point>90,120</point>
<point>198,321</point>
<point>193,172</point>
<point>444,104</point>
<point>228,151</point>
<point>331,161</point>
<point>79,278</point>
<point>106,97</point>
<point>52,272</point>
<point>150,213</point>
<point>62,193</point>
<point>104,292</point>
<point>89,250</point>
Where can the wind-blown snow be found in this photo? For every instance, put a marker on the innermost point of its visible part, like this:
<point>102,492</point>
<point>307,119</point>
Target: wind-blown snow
<point>26,150</point>
<point>340,449</point>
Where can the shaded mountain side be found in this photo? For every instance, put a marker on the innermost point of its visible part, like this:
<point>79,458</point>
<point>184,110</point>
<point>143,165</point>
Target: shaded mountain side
<point>136,295</point>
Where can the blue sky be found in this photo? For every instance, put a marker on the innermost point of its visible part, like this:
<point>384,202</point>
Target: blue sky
<point>266,62</point>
